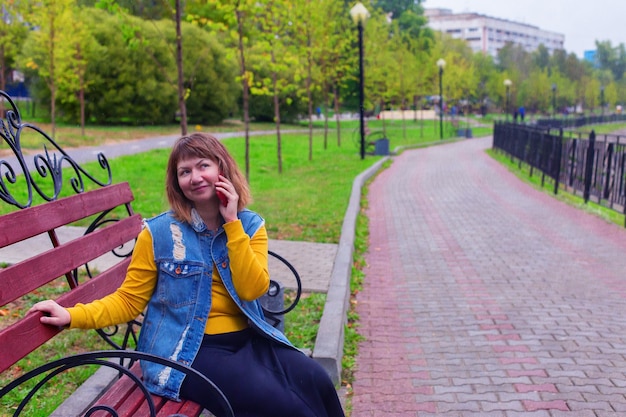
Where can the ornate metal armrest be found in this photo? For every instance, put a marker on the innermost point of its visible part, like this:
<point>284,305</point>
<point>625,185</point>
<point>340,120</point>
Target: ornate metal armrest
<point>101,358</point>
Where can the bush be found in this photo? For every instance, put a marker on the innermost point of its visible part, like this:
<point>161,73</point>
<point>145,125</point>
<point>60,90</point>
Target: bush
<point>131,73</point>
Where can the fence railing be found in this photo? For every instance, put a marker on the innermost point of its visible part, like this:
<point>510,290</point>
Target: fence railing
<point>592,166</point>
<point>571,122</point>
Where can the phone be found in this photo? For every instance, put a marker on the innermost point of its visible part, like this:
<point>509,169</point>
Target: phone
<point>221,196</point>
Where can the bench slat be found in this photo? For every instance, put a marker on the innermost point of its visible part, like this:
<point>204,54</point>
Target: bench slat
<point>28,275</point>
<point>32,221</point>
<point>116,395</point>
<point>169,408</point>
<point>21,338</point>
<point>127,398</point>
<point>134,403</point>
<point>187,408</point>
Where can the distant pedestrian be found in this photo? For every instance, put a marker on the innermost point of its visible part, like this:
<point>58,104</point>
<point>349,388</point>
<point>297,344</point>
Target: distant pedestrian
<point>522,113</point>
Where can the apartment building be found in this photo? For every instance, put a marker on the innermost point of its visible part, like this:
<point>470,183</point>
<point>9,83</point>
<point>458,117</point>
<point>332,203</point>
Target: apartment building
<point>489,34</point>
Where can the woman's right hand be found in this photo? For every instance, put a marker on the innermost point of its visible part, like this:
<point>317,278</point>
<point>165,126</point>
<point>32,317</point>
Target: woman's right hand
<point>53,313</point>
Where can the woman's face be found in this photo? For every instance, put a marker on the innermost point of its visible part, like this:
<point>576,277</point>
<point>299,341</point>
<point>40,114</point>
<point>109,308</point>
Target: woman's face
<point>197,178</point>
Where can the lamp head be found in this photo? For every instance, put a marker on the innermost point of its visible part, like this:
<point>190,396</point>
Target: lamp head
<point>359,13</point>
<point>441,63</point>
<point>508,82</point>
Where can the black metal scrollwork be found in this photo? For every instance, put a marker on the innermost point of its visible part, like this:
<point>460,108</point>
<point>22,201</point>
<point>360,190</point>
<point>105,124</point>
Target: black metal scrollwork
<point>46,166</point>
<point>48,371</point>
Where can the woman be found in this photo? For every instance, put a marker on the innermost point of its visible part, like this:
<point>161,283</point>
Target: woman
<point>198,271</point>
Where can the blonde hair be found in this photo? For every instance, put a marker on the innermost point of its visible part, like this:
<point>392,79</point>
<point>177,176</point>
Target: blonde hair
<point>202,145</point>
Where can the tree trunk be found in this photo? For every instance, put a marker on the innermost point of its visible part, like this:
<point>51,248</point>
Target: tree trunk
<point>279,150</point>
<point>52,81</point>
<point>81,87</point>
<point>326,97</point>
<point>246,91</point>
<point>3,81</point>
<point>337,118</point>
<point>403,118</point>
<point>310,99</point>
<point>179,64</point>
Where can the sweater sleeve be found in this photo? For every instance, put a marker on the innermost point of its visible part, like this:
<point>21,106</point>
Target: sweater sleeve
<point>248,260</point>
<point>130,299</point>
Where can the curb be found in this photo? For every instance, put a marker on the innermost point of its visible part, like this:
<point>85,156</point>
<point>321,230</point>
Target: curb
<point>328,349</point>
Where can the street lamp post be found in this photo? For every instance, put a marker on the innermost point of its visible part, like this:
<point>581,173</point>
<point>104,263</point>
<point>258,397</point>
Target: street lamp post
<point>441,63</point>
<point>507,84</point>
<point>359,15</point>
<point>553,101</point>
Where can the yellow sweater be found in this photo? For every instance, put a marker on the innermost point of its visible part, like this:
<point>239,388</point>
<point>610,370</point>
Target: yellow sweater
<point>248,263</point>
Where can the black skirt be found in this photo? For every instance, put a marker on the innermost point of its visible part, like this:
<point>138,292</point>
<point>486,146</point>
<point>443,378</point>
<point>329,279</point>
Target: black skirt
<point>262,378</point>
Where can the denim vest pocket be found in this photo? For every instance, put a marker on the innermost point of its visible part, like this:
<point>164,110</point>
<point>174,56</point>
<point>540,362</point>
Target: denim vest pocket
<point>178,283</point>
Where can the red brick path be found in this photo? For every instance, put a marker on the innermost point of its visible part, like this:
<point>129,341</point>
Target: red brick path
<point>485,297</point>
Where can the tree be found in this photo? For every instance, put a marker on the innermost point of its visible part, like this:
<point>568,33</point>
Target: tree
<point>135,37</point>
<point>336,57</point>
<point>231,18</point>
<point>611,58</point>
<point>309,30</point>
<point>541,57</point>
<point>380,68</point>
<point>396,7</point>
<point>485,71</point>
<point>50,50</point>
<point>274,22</point>
<point>12,35</point>
<point>182,92</point>
<point>74,83</point>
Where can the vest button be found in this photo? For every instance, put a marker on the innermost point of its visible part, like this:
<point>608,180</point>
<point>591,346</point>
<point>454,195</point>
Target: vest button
<point>224,264</point>
<point>178,270</point>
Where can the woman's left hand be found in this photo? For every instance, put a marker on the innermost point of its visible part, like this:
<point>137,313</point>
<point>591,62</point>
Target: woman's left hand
<point>228,211</point>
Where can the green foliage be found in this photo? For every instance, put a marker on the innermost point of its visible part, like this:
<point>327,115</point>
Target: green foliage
<point>12,36</point>
<point>132,72</point>
<point>302,53</point>
<point>209,77</point>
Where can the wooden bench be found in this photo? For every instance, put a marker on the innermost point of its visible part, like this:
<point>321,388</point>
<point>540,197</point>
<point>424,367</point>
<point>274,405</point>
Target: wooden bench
<point>113,227</point>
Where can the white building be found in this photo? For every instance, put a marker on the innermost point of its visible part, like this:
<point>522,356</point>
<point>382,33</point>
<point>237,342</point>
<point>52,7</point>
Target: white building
<point>489,34</point>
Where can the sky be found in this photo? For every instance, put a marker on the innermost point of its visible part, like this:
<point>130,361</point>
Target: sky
<point>581,21</point>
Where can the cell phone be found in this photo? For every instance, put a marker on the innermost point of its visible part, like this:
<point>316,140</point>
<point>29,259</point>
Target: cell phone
<point>221,196</point>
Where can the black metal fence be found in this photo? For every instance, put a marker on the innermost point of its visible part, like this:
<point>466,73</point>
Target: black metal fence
<point>570,122</point>
<point>590,165</point>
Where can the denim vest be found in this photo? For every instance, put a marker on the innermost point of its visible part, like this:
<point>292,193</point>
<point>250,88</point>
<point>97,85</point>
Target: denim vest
<point>176,315</point>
